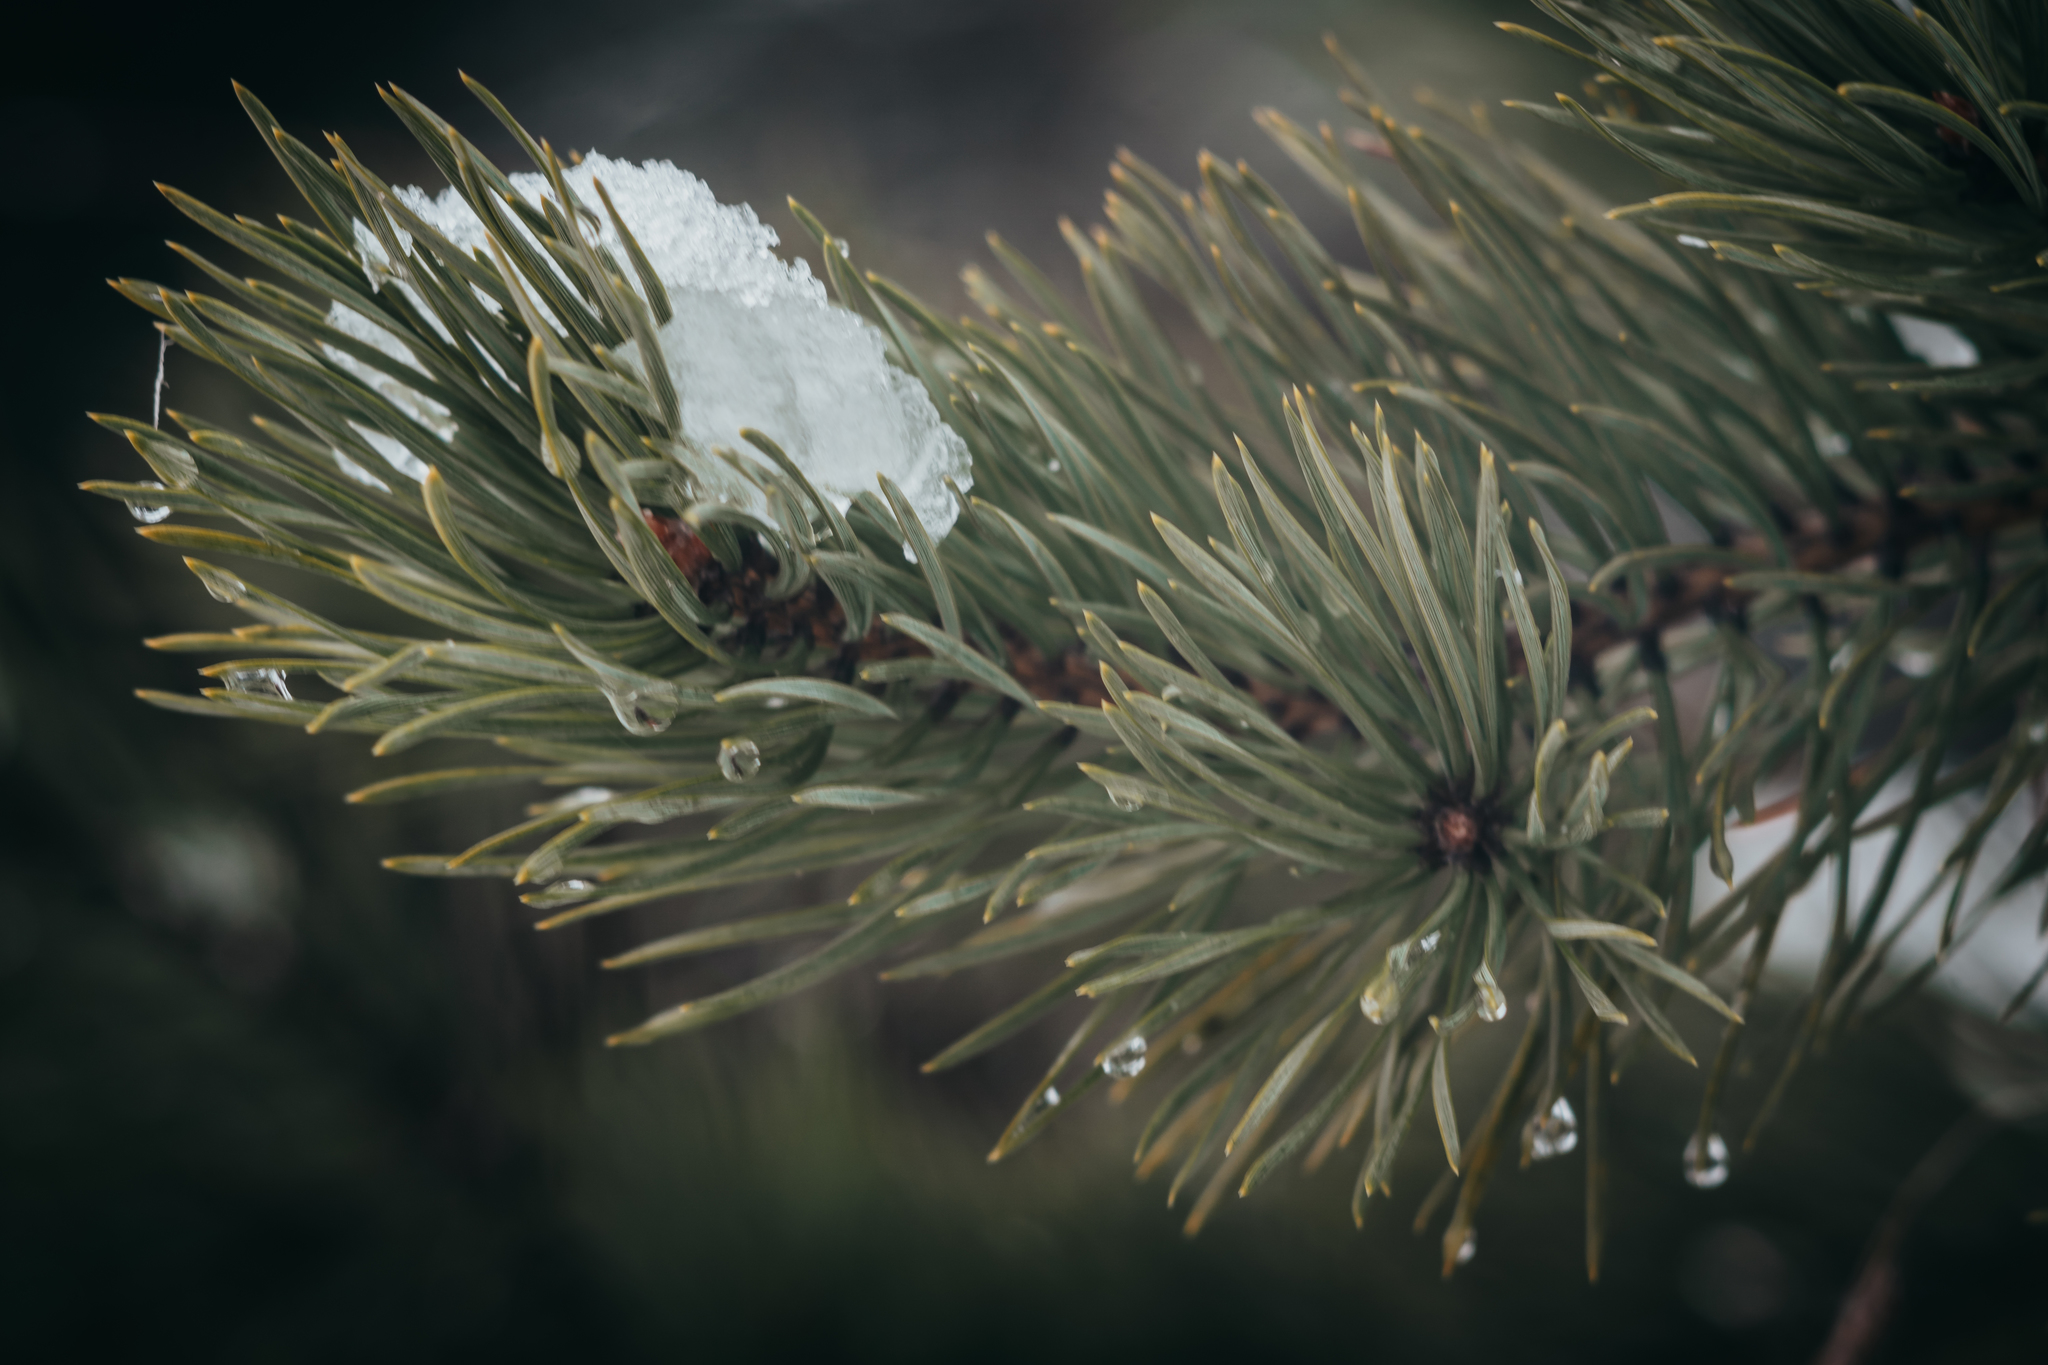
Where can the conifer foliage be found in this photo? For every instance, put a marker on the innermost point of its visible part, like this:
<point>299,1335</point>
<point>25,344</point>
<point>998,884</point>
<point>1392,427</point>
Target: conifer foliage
<point>1371,589</point>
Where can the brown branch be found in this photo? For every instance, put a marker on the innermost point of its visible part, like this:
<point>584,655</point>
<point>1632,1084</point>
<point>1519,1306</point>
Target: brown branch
<point>1890,531</point>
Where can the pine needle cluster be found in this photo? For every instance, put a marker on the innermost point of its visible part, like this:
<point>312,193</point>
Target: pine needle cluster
<point>1390,591</point>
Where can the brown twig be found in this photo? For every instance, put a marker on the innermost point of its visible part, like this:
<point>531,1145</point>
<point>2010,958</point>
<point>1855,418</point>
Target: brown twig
<point>1888,530</point>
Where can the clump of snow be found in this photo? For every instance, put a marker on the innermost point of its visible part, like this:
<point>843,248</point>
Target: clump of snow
<point>754,342</point>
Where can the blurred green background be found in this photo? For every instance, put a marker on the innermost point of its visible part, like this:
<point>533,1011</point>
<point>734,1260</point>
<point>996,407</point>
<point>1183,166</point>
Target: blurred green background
<point>260,1099</point>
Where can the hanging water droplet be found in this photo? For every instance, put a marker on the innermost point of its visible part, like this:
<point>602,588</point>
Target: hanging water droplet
<point>1382,999</point>
<point>1493,1005</point>
<point>1554,1132</point>
<point>642,713</point>
<point>575,800</point>
<point>149,514</point>
<point>1468,1248</point>
<point>1715,1172</point>
<point>257,682</point>
<point>561,893</point>
<point>738,759</point>
<point>1049,1098</point>
<point>1123,801</point>
<point>1125,1060</point>
<point>221,585</point>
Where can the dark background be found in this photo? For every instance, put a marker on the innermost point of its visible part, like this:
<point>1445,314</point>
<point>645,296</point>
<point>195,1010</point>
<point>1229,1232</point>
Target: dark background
<point>261,1099</point>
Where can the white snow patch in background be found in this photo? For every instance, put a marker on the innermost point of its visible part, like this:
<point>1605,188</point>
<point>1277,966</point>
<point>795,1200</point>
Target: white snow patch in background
<point>754,341</point>
<point>1983,971</point>
<point>1937,343</point>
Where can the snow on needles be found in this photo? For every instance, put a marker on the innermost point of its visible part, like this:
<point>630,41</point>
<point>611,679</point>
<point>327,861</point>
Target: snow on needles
<point>754,343</point>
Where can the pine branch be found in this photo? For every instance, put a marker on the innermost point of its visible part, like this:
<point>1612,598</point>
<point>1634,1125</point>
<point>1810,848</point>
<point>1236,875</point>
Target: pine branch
<point>1108,708</point>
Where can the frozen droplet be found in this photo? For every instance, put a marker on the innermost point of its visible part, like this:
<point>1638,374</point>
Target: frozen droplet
<point>1468,1248</point>
<point>738,759</point>
<point>1171,692</point>
<point>1125,1060</point>
<point>1493,1005</point>
<point>1553,1132</point>
<point>1427,943</point>
<point>257,682</point>
<point>642,713</point>
<point>221,585</point>
<point>1715,1172</point>
<point>1124,801</point>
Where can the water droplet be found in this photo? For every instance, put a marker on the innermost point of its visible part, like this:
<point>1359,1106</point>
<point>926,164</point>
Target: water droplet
<point>1049,1098</point>
<point>642,713</point>
<point>1125,802</point>
<point>2037,732</point>
<point>1715,1172</point>
<point>1428,942</point>
<point>1493,1005</point>
<point>576,800</point>
<point>1052,466</point>
<point>1554,1132</point>
<point>1696,243</point>
<point>1382,999</point>
<point>257,682</point>
<point>221,585</point>
<point>147,513</point>
<point>776,703</point>
<point>738,759</point>
<point>561,893</point>
<point>1468,1248</point>
<point>1125,1060</point>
